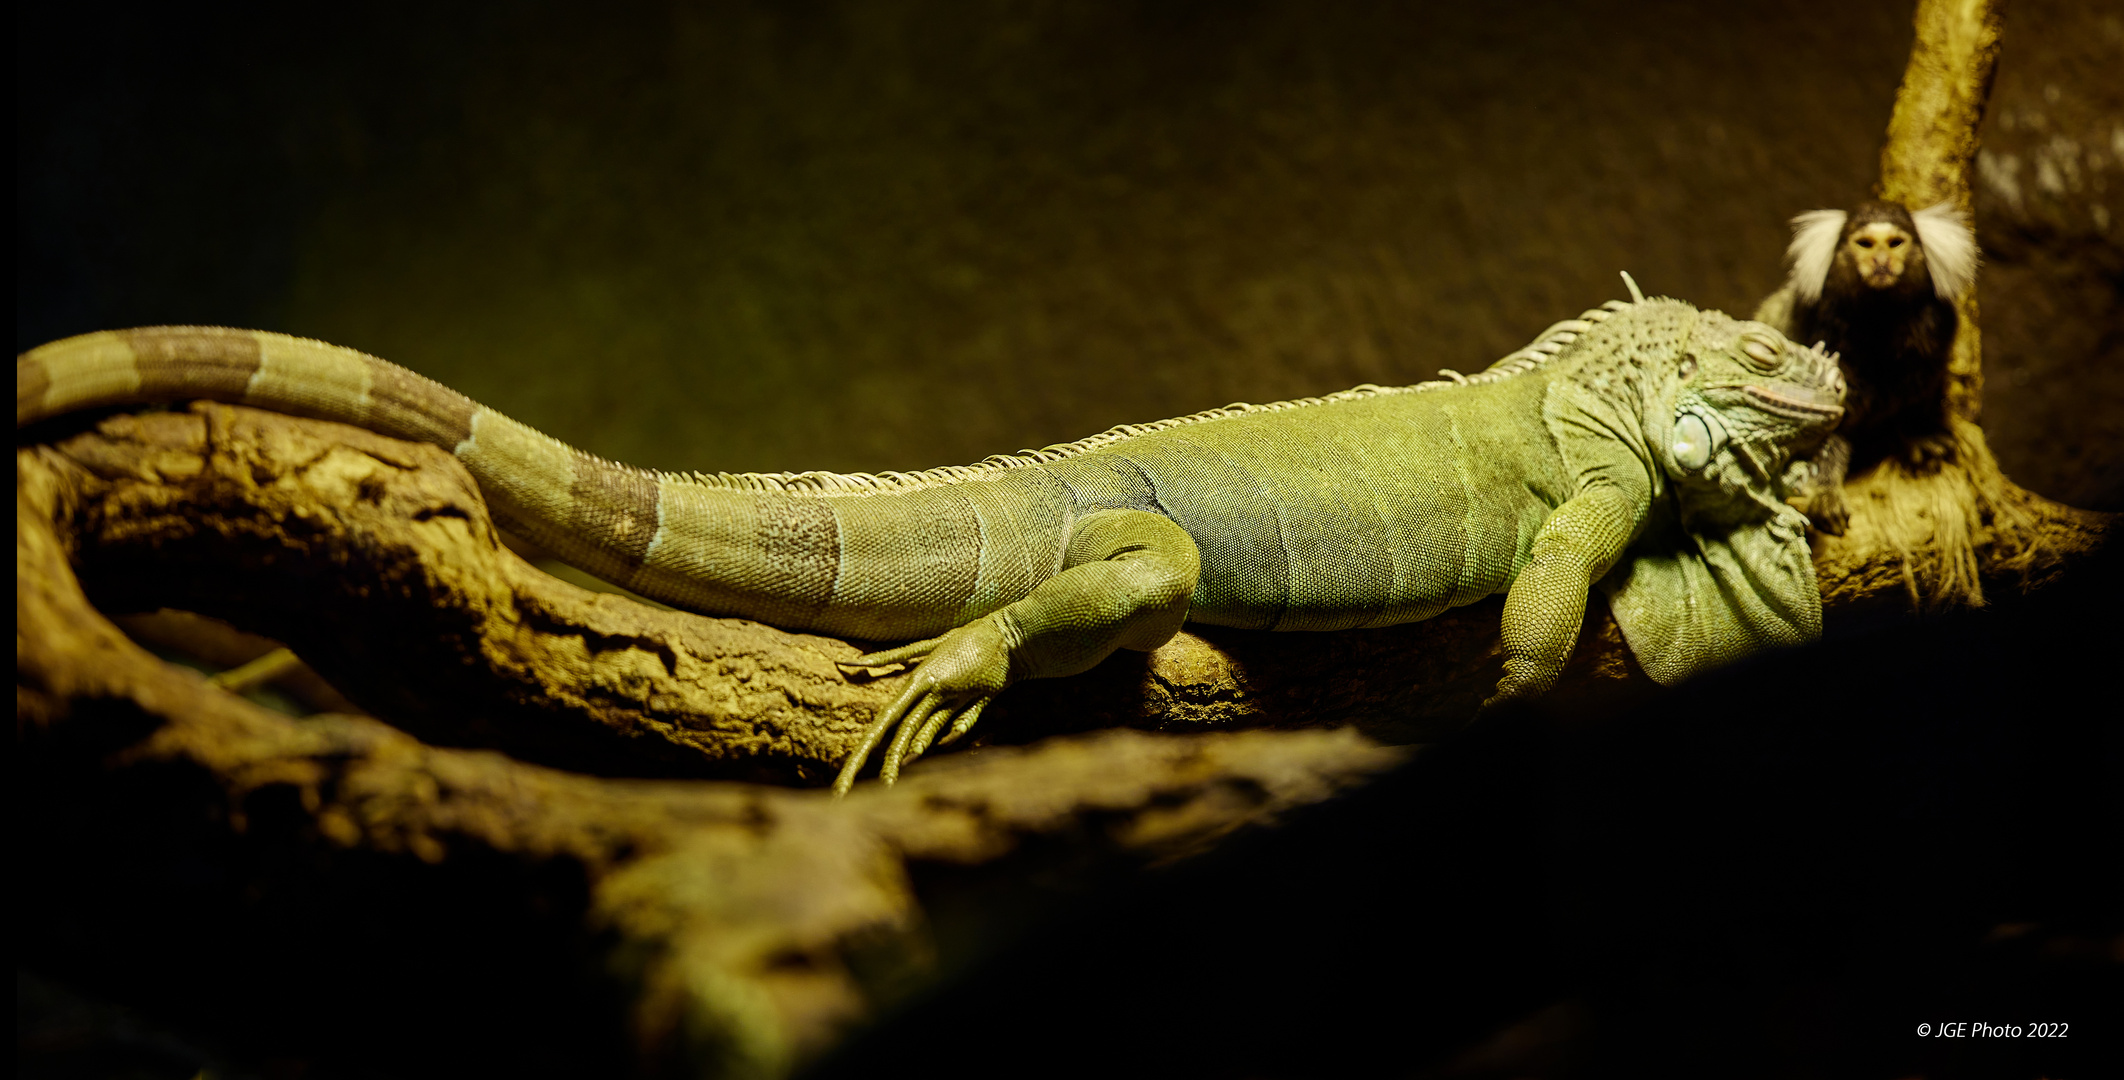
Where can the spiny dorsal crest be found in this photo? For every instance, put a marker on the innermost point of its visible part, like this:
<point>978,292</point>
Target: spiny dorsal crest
<point>1544,348</point>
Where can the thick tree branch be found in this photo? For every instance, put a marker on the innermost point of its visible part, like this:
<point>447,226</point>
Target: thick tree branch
<point>723,915</point>
<point>376,561</point>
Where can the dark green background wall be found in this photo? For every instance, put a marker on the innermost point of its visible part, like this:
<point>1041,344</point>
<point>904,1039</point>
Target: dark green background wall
<point>893,235</point>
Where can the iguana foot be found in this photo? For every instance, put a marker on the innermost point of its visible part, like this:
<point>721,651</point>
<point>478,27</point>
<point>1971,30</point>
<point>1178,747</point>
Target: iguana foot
<point>1504,700</point>
<point>958,674</point>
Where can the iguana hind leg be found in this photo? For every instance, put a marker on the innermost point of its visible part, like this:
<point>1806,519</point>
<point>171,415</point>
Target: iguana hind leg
<point>1126,579</point>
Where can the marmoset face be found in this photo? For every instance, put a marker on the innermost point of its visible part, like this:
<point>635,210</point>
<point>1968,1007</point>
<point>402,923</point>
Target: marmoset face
<point>1878,250</point>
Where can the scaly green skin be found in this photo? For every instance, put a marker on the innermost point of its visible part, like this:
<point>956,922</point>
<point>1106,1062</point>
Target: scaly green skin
<point>1649,424</point>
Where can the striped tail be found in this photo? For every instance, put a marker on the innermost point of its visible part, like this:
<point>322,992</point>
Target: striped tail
<point>883,563</point>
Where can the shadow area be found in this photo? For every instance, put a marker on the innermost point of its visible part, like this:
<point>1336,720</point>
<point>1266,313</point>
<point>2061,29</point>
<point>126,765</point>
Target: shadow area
<point>1783,868</point>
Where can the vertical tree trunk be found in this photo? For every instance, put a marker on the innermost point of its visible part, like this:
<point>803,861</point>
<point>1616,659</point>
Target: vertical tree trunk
<point>1943,533</point>
<point>1932,142</point>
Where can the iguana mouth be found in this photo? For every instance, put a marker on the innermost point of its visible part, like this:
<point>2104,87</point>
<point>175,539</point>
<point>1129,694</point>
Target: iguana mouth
<point>1796,402</point>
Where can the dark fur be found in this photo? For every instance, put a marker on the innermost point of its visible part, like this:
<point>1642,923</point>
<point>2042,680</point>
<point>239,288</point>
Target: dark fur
<point>1894,344</point>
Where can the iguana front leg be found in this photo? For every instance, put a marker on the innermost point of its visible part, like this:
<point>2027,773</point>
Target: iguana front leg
<point>1546,604</point>
<point>1126,579</point>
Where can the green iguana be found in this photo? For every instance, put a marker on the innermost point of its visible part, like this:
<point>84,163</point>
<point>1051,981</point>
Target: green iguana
<point>1646,426</point>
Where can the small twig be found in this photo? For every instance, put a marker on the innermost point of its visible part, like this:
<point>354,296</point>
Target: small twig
<point>257,673</point>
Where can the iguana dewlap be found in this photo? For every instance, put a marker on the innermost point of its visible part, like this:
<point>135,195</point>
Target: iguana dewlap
<point>1646,429</point>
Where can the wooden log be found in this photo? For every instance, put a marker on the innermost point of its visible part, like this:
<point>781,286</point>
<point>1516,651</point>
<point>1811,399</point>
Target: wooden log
<point>186,842</point>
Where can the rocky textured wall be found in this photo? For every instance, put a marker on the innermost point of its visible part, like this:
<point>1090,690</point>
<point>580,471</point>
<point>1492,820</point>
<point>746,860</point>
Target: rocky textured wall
<point>2050,212</point>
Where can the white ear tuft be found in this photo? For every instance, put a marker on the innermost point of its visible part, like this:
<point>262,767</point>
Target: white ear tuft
<point>1813,249</point>
<point>1950,248</point>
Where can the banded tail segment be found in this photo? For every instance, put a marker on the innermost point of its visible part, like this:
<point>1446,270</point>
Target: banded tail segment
<point>854,563</point>
<point>292,375</point>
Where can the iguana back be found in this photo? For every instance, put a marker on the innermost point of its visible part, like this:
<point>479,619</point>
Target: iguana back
<point>1370,510</point>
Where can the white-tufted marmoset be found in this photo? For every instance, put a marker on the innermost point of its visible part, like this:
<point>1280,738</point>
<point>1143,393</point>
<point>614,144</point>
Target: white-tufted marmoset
<point>1877,287</point>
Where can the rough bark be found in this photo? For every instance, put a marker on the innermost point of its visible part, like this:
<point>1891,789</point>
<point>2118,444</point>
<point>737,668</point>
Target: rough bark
<point>376,561</point>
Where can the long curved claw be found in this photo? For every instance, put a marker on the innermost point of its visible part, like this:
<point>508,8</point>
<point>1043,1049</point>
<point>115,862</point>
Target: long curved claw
<point>856,757</point>
<point>916,718</point>
<point>965,724</point>
<point>928,734</point>
<point>872,735</point>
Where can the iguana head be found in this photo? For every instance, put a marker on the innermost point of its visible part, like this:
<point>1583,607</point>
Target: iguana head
<point>1744,401</point>
<point>1726,405</point>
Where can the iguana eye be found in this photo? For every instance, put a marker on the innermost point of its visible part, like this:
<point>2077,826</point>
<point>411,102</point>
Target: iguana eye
<point>1688,367</point>
<point>1760,354</point>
